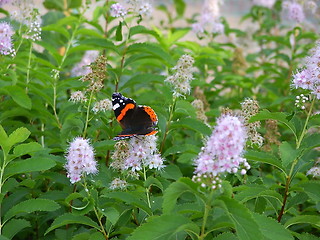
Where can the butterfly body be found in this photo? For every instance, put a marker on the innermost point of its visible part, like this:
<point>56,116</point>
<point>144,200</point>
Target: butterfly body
<point>134,119</point>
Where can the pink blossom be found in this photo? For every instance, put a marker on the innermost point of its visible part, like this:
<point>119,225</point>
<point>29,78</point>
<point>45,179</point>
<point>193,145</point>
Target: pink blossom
<point>223,150</point>
<point>80,159</point>
<point>294,11</point>
<point>6,32</point>
<point>117,10</point>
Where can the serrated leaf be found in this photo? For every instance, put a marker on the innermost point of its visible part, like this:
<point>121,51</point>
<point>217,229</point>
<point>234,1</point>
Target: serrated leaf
<point>245,225</point>
<point>29,165</point>
<point>264,158</point>
<point>164,227</point>
<point>17,136</point>
<point>278,230</point>
<point>131,199</point>
<point>304,219</point>
<point>175,190</point>
<point>288,153</point>
<point>18,95</point>
<point>69,218</point>
<point>225,236</point>
<point>30,206</point>
<point>279,116</point>
<point>14,226</point>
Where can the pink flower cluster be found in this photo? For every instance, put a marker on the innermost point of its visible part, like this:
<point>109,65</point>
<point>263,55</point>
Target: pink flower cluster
<point>140,7</point>
<point>309,77</point>
<point>80,159</point>
<point>2,2</point>
<point>210,18</point>
<point>223,152</point>
<point>142,152</point>
<point>6,32</point>
<point>294,11</point>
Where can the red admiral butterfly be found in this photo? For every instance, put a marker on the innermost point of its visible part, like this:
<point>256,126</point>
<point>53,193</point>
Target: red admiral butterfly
<point>134,120</point>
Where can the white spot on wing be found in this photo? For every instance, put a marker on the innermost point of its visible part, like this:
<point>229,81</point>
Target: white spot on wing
<point>117,105</point>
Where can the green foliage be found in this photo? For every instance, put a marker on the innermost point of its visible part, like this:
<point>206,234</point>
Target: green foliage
<point>277,197</point>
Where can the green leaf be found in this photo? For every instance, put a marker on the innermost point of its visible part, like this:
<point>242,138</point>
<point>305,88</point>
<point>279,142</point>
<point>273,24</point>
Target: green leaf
<point>130,198</point>
<point>27,148</point>
<point>180,7</point>
<point>139,29</point>
<point>311,188</point>
<point>279,116</point>
<point>288,153</point>
<point>245,225</point>
<point>304,219</point>
<point>175,190</point>
<point>119,32</point>
<point>171,172</point>
<point>225,236</point>
<point>193,124</point>
<point>264,158</point>
<point>30,206</point>
<point>147,78</point>
<point>164,227</point>
<point>29,165</point>
<point>278,231</point>
<point>12,227</point>
<point>153,50</point>
<point>18,95</point>
<point>18,136</point>
<point>57,28</point>
<point>152,181</point>
<point>4,141</point>
<point>112,215</point>
<point>69,218</point>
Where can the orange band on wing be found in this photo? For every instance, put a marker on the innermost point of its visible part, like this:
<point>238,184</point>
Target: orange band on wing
<point>124,111</point>
<point>151,133</point>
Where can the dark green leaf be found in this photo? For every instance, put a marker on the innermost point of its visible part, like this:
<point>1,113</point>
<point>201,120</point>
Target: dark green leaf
<point>29,165</point>
<point>164,227</point>
<point>18,95</point>
<point>245,225</point>
<point>304,219</point>
<point>12,227</point>
<point>30,206</point>
<point>278,231</point>
<point>180,7</point>
<point>69,218</point>
<point>175,190</point>
<point>119,32</point>
<point>264,158</point>
<point>192,123</point>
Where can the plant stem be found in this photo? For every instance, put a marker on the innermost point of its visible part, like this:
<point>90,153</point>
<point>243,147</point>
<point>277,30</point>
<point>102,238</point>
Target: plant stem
<point>207,209</point>
<point>294,163</point>
<point>29,67</point>
<point>147,189</point>
<point>87,117</point>
<point>304,130</point>
<point>172,108</point>
<point>102,230</point>
<point>4,164</point>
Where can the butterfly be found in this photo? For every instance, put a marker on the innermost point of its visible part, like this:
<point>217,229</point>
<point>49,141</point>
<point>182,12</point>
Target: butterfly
<point>134,119</point>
